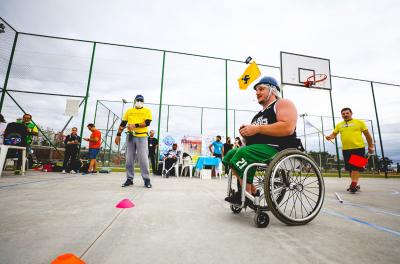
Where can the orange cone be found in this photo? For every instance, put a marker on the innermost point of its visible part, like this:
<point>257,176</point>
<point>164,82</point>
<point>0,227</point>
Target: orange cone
<point>67,259</point>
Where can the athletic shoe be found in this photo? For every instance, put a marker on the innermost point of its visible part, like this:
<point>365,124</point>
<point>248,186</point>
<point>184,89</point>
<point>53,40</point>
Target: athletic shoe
<point>127,183</point>
<point>234,198</point>
<point>94,172</point>
<point>63,172</point>
<point>72,172</point>
<point>147,183</point>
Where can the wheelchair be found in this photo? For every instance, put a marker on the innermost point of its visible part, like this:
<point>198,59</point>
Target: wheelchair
<point>290,185</point>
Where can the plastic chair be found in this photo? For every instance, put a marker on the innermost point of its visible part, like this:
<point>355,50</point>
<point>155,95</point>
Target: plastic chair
<point>187,163</point>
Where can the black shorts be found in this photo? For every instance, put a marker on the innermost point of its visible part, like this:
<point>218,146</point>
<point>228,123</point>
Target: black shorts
<point>346,156</point>
<point>218,156</point>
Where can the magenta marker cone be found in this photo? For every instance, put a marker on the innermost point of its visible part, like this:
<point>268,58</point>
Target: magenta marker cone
<point>125,203</point>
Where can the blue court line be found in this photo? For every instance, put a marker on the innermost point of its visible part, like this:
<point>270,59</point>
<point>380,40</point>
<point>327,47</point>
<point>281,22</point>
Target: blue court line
<point>23,183</point>
<point>349,218</point>
<point>369,208</point>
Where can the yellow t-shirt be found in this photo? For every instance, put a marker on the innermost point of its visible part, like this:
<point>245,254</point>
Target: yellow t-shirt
<point>350,133</point>
<point>136,116</point>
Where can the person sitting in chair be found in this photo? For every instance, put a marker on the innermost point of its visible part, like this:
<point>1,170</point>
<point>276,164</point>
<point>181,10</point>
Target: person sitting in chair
<point>271,130</point>
<point>171,157</point>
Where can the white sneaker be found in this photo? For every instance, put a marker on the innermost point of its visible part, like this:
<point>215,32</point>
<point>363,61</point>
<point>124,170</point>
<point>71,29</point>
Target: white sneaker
<point>63,172</point>
<point>72,172</point>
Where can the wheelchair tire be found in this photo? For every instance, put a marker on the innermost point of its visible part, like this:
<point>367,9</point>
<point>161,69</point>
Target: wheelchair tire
<point>294,187</point>
<point>261,220</point>
<point>235,209</point>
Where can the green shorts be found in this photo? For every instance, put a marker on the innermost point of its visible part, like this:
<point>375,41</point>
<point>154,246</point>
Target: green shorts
<point>240,158</point>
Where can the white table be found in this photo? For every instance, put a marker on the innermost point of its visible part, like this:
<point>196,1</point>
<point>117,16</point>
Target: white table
<point>3,154</point>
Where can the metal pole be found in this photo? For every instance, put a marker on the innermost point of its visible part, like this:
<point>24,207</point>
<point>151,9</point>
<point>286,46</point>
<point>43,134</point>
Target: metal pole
<point>201,122</point>
<point>336,143</point>
<point>373,137</point>
<point>122,116</point>
<point>159,109</point>
<point>304,131</point>
<point>95,112</point>
<point>112,135</point>
<point>379,130</point>
<point>87,93</point>
<point>323,141</point>
<point>234,123</point>
<point>319,147</point>
<point>226,98</point>
<point>167,117</point>
<point>105,139</point>
<point>3,93</point>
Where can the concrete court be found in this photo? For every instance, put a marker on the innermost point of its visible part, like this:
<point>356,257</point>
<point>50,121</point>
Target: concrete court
<point>184,220</point>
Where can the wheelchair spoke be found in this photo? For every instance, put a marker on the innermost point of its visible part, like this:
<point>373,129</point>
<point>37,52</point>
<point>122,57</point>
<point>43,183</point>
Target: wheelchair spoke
<point>309,198</point>
<point>294,205</point>
<point>310,183</point>
<point>311,192</point>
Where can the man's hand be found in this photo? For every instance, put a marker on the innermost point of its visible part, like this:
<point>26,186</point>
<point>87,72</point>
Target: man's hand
<point>86,139</point>
<point>371,149</point>
<point>117,140</point>
<point>330,137</point>
<point>248,130</point>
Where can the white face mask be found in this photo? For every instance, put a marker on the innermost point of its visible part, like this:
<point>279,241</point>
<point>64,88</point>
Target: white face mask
<point>139,104</point>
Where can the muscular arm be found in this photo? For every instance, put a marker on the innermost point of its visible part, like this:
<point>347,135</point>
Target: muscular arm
<point>369,140</point>
<point>286,115</point>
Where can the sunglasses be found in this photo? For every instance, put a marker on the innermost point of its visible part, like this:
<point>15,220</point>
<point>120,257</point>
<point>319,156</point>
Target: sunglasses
<point>139,100</point>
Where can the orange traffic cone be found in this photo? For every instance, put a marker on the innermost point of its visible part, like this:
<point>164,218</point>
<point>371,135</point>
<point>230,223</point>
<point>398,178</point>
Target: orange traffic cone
<point>67,259</point>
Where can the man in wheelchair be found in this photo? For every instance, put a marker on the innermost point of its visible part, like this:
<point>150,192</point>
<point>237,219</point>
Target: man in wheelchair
<point>271,130</point>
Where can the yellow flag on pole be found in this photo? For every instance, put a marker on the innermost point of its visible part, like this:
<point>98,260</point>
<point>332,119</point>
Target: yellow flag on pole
<point>251,73</point>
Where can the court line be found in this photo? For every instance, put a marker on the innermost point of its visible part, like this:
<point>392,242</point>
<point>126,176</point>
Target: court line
<point>369,208</point>
<point>108,227</point>
<point>23,183</point>
<point>353,219</point>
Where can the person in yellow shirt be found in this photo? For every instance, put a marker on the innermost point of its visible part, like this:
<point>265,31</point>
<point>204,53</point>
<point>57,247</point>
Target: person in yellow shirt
<point>352,143</point>
<point>137,119</point>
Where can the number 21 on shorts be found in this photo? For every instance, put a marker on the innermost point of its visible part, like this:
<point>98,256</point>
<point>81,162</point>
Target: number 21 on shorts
<point>241,163</point>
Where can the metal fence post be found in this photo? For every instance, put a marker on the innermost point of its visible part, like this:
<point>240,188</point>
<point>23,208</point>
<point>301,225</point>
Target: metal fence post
<point>379,131</point>
<point>226,99</point>
<point>87,92</point>
<point>336,144</point>
<point>159,109</point>
<point>3,92</point>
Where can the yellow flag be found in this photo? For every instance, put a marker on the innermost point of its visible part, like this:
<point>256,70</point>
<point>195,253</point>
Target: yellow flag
<point>250,75</point>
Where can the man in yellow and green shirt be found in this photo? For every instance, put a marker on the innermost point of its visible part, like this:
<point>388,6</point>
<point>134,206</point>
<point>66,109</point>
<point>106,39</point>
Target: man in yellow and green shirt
<point>137,119</point>
<point>352,143</point>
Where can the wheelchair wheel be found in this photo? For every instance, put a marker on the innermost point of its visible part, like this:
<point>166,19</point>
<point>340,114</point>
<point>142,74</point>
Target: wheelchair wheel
<point>235,209</point>
<point>261,220</point>
<point>294,187</point>
<point>259,182</point>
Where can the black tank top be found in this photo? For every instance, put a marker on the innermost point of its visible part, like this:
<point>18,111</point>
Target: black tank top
<point>268,116</point>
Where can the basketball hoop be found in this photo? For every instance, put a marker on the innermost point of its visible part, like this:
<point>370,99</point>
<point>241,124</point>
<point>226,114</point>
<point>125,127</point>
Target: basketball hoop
<point>314,79</point>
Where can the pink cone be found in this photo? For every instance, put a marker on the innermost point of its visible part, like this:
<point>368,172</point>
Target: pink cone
<point>125,203</point>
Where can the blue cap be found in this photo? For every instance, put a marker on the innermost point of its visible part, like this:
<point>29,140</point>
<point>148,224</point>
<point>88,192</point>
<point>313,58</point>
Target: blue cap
<point>138,97</point>
<point>268,80</point>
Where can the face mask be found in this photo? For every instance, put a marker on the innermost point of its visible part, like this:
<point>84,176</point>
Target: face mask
<point>139,104</point>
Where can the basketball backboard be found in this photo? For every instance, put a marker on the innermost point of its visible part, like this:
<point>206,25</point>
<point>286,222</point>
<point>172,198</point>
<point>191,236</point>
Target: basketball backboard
<point>298,70</point>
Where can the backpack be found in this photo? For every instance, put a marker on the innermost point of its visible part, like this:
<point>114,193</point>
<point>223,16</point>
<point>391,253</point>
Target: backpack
<point>15,134</point>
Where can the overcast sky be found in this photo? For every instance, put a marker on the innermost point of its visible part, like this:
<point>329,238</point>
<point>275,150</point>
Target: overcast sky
<point>361,39</point>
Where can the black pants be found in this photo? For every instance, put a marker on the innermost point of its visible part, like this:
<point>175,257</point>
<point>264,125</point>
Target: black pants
<point>152,157</point>
<point>169,162</point>
<point>70,156</point>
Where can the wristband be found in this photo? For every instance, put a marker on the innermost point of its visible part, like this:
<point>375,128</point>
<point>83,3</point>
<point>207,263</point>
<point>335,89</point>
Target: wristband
<point>118,134</point>
<point>137,125</point>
